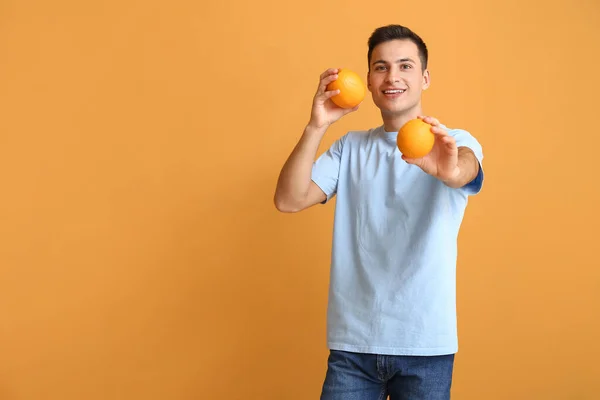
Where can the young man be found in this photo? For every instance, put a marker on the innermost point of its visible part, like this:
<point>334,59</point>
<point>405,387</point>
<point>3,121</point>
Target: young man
<point>391,325</point>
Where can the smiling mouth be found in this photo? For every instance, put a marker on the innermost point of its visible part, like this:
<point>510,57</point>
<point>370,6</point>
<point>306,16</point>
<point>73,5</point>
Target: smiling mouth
<point>394,91</point>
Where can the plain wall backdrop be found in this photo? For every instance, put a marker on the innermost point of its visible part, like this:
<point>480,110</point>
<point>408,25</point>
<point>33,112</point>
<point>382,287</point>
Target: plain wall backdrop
<point>141,255</point>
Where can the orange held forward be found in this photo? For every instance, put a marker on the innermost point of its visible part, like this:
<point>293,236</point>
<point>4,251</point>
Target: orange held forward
<point>352,89</point>
<point>415,139</point>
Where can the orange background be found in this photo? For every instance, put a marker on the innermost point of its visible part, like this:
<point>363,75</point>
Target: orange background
<point>141,255</point>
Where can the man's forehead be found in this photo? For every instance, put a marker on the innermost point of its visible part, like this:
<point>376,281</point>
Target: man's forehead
<point>396,48</point>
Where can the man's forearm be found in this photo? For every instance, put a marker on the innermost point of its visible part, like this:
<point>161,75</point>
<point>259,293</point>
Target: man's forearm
<point>468,168</point>
<point>295,177</point>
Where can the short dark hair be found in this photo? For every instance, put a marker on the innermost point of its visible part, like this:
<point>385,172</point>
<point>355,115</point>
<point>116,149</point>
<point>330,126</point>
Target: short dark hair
<point>393,32</point>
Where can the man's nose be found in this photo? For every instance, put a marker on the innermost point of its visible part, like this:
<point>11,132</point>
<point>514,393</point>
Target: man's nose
<point>392,77</point>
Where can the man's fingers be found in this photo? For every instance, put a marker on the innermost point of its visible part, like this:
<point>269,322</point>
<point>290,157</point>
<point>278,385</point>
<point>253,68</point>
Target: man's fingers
<point>323,97</point>
<point>329,94</point>
<point>430,120</point>
<point>328,72</point>
<point>325,76</point>
<point>438,130</point>
<point>448,142</point>
<point>326,81</point>
<point>414,161</point>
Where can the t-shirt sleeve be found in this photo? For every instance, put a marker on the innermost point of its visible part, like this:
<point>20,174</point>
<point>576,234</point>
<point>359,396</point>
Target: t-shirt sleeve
<point>465,139</point>
<point>325,170</point>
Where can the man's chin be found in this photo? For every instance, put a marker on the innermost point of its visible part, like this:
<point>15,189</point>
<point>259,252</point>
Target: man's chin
<point>393,111</point>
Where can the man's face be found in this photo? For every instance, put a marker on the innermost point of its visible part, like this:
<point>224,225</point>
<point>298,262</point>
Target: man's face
<point>396,78</point>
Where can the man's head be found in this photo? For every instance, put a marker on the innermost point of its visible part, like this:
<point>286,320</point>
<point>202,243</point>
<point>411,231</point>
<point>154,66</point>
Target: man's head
<point>398,71</point>
<point>398,32</point>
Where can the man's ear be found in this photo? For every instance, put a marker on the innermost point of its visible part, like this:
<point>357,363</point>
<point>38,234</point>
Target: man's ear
<point>426,79</point>
<point>368,80</point>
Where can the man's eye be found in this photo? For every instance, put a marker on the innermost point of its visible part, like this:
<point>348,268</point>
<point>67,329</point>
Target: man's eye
<point>406,66</point>
<point>380,68</point>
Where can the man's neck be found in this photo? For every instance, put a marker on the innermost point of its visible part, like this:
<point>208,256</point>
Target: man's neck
<point>393,123</point>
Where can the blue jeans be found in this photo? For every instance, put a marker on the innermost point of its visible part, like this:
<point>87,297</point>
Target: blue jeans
<point>356,376</point>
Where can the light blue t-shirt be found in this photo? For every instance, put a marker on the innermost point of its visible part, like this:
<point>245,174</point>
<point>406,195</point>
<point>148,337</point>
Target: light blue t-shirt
<point>394,250</point>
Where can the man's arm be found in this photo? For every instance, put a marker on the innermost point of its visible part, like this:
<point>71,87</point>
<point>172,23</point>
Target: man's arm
<point>468,168</point>
<point>295,189</point>
<point>454,160</point>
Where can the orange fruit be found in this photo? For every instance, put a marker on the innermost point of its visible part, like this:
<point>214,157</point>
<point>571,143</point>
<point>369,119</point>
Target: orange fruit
<point>352,89</point>
<point>415,139</point>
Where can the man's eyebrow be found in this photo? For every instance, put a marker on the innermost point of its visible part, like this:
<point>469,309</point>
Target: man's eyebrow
<point>401,60</point>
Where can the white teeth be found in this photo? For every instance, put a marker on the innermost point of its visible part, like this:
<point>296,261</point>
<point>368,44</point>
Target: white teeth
<point>394,91</point>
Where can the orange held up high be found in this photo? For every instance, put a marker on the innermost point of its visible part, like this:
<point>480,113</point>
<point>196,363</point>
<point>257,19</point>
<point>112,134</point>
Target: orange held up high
<point>352,89</point>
